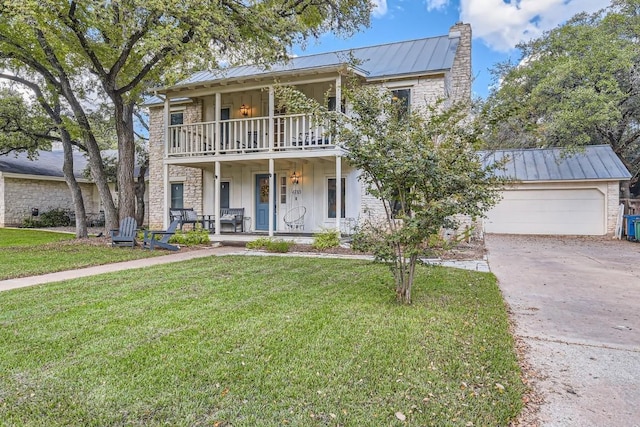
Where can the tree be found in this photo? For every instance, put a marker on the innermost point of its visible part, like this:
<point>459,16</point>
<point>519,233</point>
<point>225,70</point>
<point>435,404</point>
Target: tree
<point>425,169</point>
<point>31,128</point>
<point>423,165</point>
<point>578,84</point>
<point>130,46</point>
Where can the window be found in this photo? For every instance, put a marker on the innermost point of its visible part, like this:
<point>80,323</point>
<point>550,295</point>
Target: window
<point>177,191</point>
<point>283,190</point>
<point>331,197</point>
<point>177,119</point>
<point>224,194</point>
<point>403,97</point>
<point>331,105</point>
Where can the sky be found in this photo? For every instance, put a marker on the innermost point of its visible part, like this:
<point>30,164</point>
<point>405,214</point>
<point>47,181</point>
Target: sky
<point>497,26</point>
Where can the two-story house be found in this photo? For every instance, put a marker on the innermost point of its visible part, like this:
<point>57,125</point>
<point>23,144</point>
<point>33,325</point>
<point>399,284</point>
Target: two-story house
<point>217,139</point>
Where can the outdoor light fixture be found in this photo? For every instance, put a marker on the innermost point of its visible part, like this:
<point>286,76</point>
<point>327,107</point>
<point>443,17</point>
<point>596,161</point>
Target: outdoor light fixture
<point>244,110</point>
<point>295,178</point>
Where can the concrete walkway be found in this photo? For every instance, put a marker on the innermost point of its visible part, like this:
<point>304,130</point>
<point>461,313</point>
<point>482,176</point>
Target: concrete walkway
<point>23,282</point>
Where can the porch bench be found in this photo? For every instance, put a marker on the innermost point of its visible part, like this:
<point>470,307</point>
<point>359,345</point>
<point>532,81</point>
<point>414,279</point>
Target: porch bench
<point>233,216</point>
<point>186,216</point>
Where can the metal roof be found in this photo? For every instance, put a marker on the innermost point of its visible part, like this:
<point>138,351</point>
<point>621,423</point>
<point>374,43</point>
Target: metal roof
<point>422,56</point>
<point>47,163</point>
<point>594,162</point>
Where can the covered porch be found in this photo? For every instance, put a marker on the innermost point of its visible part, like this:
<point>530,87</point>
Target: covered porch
<point>279,194</point>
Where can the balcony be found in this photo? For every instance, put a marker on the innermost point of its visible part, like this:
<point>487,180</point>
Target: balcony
<point>254,135</point>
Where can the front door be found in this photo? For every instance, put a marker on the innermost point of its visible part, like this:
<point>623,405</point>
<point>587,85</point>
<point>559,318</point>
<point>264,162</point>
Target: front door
<point>262,202</point>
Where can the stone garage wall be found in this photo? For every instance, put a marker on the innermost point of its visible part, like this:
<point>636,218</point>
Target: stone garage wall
<point>20,195</point>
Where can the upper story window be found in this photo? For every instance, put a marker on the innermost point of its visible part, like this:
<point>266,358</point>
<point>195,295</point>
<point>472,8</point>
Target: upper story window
<point>177,118</point>
<point>331,105</point>
<point>403,97</point>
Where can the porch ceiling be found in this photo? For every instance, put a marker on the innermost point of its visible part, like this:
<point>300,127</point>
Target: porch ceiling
<point>247,159</point>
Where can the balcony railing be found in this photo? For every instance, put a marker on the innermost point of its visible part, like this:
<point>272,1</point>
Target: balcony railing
<point>291,132</point>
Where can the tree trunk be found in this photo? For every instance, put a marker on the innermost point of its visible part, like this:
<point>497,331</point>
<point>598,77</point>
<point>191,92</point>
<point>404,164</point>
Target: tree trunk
<point>126,158</point>
<point>141,188</point>
<point>97,174</point>
<point>74,187</point>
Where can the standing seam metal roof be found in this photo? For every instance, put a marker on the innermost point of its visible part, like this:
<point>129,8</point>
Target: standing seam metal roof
<point>393,59</point>
<point>595,162</point>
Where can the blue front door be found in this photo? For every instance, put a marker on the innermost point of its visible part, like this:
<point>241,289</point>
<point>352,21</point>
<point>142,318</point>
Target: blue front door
<point>262,202</point>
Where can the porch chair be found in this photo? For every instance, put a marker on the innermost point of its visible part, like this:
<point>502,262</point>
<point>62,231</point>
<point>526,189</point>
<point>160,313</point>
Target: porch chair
<point>149,240</point>
<point>294,218</point>
<point>126,234</point>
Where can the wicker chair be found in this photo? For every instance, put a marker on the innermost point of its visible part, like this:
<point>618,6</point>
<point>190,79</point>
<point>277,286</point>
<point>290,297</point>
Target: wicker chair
<point>294,218</point>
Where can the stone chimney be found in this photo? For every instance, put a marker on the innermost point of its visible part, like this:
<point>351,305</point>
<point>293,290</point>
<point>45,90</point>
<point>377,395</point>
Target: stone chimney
<point>459,81</point>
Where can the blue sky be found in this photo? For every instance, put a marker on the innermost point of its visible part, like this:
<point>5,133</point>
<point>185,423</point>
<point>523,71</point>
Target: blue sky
<point>497,26</point>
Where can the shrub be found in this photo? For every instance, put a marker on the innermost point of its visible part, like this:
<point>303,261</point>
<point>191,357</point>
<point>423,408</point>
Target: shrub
<point>198,236</point>
<point>31,222</point>
<point>269,245</point>
<point>260,243</point>
<point>55,218</point>
<point>326,239</point>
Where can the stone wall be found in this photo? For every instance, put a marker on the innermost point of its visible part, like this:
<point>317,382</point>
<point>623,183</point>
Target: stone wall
<point>613,204</point>
<point>190,177</point>
<point>19,196</point>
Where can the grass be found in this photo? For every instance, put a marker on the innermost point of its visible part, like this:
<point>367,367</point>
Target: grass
<point>15,237</point>
<point>258,341</point>
<point>32,252</point>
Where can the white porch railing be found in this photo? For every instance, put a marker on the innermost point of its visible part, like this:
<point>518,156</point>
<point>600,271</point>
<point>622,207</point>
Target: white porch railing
<point>291,132</point>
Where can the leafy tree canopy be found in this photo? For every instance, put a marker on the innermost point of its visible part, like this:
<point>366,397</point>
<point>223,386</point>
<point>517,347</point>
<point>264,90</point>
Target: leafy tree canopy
<point>422,165</point>
<point>23,127</point>
<point>578,84</point>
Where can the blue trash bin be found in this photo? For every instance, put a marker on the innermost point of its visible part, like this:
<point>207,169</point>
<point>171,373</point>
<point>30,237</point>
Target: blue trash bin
<point>632,220</point>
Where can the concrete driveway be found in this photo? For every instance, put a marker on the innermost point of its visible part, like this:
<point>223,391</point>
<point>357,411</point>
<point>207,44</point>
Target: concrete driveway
<point>576,304</point>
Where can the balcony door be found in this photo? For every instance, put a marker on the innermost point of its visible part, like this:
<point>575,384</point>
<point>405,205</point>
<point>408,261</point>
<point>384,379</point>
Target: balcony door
<point>262,202</point>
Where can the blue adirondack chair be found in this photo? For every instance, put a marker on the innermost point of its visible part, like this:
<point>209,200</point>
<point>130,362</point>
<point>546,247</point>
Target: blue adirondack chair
<point>126,234</point>
<point>150,241</point>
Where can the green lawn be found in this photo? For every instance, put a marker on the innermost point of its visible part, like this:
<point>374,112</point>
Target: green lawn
<point>26,252</point>
<point>17,237</point>
<point>258,341</point>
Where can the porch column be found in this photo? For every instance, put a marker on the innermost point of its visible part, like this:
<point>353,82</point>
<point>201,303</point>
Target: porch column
<point>339,93</point>
<point>272,202</point>
<point>166,119</point>
<point>166,196</point>
<point>216,130</point>
<point>216,198</point>
<point>165,167</point>
<point>338,192</point>
<point>272,107</point>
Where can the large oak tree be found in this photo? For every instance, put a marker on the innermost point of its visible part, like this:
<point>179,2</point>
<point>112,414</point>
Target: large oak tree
<point>129,46</point>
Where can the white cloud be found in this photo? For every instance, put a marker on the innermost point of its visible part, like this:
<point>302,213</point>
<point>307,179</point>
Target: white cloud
<point>379,8</point>
<point>502,25</point>
<point>436,4</point>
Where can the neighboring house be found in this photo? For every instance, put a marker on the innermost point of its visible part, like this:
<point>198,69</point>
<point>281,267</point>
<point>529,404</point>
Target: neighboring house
<point>27,184</point>
<point>559,193</point>
<point>38,183</point>
<point>218,141</point>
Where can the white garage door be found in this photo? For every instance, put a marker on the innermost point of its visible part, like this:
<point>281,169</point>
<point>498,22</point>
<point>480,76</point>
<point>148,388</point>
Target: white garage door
<point>554,211</point>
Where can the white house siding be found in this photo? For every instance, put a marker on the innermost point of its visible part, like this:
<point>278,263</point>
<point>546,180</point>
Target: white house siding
<point>20,195</point>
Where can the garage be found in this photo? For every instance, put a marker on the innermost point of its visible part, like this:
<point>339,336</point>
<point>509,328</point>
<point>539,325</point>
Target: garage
<point>549,211</point>
<point>557,194</point>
